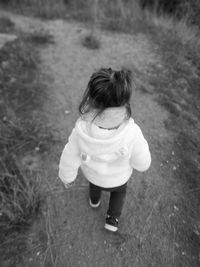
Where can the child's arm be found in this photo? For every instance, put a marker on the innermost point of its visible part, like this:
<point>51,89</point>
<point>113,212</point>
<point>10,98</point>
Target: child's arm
<point>141,156</point>
<point>70,160</point>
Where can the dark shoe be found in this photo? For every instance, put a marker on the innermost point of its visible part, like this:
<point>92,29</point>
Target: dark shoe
<point>111,223</point>
<point>94,205</point>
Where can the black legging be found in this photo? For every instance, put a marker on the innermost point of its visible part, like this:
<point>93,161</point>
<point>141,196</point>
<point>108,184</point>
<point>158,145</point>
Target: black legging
<point>117,197</point>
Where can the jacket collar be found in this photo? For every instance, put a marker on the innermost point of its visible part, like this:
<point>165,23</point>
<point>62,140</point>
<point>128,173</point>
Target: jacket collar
<point>110,118</point>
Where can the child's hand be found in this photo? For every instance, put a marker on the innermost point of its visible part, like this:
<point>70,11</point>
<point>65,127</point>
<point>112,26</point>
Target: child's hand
<point>67,186</point>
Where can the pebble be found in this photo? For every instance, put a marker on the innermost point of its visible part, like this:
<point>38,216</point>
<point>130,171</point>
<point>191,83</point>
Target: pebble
<point>37,148</point>
<point>176,208</point>
<point>38,253</point>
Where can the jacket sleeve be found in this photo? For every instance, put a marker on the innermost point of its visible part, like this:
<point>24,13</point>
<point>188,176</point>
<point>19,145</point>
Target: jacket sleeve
<point>70,160</point>
<point>141,156</point>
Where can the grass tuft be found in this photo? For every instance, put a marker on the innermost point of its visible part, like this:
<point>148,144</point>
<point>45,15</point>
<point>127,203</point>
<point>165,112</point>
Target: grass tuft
<point>6,25</point>
<point>20,196</point>
<point>91,42</point>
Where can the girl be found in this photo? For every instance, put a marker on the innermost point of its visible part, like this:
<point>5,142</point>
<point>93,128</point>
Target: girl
<point>106,142</point>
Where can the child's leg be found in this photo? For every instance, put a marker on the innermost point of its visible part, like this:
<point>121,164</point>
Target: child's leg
<point>95,193</point>
<point>117,197</point>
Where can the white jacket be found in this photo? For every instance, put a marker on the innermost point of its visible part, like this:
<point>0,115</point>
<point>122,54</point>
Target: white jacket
<point>106,157</point>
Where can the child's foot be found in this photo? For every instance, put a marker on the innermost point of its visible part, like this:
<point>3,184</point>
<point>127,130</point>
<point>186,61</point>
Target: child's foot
<point>94,205</point>
<point>111,223</point>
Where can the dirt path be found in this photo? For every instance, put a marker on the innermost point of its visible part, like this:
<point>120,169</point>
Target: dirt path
<point>75,232</point>
<point>79,229</point>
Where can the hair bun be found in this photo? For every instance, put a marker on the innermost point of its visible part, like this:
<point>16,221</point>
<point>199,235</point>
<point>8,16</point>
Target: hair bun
<point>124,75</point>
<point>127,74</point>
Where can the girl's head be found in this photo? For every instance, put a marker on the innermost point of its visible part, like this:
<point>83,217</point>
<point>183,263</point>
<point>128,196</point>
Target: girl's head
<point>107,88</point>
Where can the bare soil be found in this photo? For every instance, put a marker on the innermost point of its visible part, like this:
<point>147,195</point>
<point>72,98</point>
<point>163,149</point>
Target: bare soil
<point>154,229</point>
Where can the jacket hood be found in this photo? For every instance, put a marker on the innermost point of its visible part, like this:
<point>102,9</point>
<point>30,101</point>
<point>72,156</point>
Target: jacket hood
<point>96,146</point>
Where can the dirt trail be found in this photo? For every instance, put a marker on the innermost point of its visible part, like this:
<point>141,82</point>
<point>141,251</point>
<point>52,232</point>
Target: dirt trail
<point>76,234</point>
<point>81,229</point>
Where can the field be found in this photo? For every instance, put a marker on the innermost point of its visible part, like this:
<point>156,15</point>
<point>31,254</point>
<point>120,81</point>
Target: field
<point>43,72</point>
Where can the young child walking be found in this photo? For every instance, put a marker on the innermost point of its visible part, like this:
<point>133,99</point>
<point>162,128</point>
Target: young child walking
<point>106,142</point>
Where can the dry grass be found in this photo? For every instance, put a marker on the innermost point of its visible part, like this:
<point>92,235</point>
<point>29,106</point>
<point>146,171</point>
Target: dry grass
<point>47,9</point>
<point>177,85</point>
<point>124,16</point>
<point>20,196</point>
<point>179,30</point>
<point>112,15</point>
<point>176,88</point>
<point>22,130</point>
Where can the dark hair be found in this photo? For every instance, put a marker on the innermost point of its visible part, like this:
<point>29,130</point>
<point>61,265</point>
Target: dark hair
<point>107,88</point>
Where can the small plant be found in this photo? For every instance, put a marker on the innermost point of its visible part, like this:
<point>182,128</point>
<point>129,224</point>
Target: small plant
<point>6,25</point>
<point>20,196</point>
<point>40,38</point>
<point>91,41</point>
